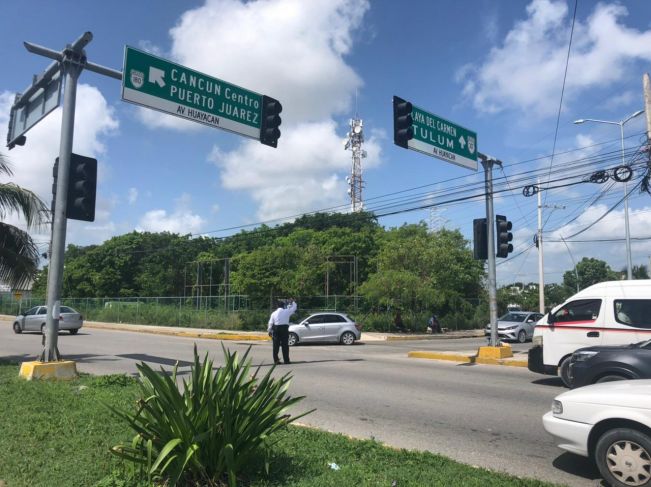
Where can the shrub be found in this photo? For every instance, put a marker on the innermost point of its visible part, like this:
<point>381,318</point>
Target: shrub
<point>212,428</point>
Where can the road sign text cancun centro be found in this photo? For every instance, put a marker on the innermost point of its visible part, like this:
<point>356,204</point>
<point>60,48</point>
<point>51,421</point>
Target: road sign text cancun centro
<point>163,85</point>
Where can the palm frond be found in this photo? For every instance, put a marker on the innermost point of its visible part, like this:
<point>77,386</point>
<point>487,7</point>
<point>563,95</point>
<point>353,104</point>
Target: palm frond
<point>19,256</point>
<point>14,198</point>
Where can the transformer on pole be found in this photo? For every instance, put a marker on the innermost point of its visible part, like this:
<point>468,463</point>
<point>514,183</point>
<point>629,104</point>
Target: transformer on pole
<point>355,182</point>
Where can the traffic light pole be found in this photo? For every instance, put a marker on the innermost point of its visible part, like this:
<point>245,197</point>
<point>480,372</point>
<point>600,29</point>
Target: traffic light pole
<point>487,162</point>
<point>71,67</point>
<point>71,61</point>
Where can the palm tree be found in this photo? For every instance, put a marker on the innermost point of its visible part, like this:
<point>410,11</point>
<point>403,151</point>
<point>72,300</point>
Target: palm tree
<point>19,255</point>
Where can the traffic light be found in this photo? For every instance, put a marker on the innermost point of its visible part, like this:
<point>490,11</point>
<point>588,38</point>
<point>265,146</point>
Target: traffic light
<point>82,188</point>
<point>403,122</point>
<point>269,131</point>
<point>504,236</point>
<point>480,240</point>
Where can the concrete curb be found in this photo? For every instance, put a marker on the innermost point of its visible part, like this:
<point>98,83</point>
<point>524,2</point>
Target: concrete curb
<point>467,358</point>
<point>159,330</point>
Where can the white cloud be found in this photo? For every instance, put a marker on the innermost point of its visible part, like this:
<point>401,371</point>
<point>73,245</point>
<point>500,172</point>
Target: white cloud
<point>132,196</point>
<point>181,220</point>
<point>300,175</point>
<point>291,50</point>
<point>526,71</point>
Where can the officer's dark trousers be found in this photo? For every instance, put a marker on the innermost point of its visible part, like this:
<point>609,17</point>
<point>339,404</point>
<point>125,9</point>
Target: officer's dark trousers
<point>281,336</point>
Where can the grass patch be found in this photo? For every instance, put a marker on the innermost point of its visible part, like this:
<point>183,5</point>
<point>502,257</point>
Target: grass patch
<point>59,433</point>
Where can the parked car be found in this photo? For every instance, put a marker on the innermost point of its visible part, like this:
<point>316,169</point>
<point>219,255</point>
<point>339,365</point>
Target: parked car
<point>610,423</point>
<point>607,313</point>
<point>34,320</point>
<point>325,327</point>
<point>515,325</point>
<point>591,365</point>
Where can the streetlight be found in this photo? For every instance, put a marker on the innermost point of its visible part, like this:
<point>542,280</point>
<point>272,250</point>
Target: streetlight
<point>621,123</point>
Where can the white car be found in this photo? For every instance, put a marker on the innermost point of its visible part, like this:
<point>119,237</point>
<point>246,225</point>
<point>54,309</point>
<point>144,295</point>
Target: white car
<point>35,318</point>
<point>325,327</point>
<point>611,423</point>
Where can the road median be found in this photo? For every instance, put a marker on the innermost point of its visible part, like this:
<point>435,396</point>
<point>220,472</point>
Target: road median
<point>520,360</point>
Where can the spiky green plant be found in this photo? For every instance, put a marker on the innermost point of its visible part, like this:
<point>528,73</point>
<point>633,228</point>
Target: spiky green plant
<point>211,428</point>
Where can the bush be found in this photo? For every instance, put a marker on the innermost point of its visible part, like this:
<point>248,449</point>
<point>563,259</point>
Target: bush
<point>212,428</point>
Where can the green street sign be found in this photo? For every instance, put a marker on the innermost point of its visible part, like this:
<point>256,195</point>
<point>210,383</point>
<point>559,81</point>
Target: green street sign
<point>445,140</point>
<point>160,84</point>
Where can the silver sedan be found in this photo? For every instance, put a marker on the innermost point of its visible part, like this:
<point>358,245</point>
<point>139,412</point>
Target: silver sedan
<point>325,327</point>
<point>34,320</point>
<point>515,326</point>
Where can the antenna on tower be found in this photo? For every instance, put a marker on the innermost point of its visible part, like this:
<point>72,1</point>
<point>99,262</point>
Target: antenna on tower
<point>354,143</point>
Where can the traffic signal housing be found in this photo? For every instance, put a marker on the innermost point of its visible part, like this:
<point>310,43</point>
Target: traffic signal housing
<point>480,239</point>
<point>403,130</point>
<point>504,236</point>
<point>82,188</point>
<point>269,131</point>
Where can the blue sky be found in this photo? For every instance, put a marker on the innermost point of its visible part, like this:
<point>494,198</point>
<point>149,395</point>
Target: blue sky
<point>495,67</point>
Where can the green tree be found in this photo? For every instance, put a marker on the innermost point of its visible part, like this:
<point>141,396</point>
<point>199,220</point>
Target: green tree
<point>590,271</point>
<point>19,256</point>
<point>638,271</point>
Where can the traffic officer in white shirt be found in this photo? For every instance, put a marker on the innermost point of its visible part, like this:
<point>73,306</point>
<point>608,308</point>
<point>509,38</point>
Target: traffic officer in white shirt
<point>278,328</point>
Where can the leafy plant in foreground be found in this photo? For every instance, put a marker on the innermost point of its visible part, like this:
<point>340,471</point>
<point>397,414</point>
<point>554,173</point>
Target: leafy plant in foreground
<point>212,427</point>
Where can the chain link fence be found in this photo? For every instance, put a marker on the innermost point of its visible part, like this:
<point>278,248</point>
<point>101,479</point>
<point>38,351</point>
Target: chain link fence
<point>233,312</point>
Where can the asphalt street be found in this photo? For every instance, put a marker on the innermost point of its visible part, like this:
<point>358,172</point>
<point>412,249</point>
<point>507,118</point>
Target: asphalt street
<point>483,415</point>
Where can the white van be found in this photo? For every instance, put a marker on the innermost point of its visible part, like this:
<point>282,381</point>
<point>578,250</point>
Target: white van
<point>608,313</point>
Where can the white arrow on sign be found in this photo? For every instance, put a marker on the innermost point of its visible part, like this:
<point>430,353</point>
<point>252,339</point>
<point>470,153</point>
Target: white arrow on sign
<point>156,76</point>
<point>462,142</point>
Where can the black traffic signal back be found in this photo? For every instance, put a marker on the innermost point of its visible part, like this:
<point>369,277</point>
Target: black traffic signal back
<point>480,239</point>
<point>403,129</point>
<point>82,188</point>
<point>269,131</point>
<point>504,236</point>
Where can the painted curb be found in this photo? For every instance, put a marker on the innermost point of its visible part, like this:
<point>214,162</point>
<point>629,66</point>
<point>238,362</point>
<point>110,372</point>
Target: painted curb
<point>181,333</point>
<point>61,370</point>
<point>464,358</point>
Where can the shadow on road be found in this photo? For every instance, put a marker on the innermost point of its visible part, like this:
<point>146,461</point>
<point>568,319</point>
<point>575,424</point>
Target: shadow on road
<point>577,465</point>
<point>549,381</point>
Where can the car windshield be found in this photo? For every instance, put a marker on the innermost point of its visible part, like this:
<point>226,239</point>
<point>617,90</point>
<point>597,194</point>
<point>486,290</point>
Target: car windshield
<point>513,317</point>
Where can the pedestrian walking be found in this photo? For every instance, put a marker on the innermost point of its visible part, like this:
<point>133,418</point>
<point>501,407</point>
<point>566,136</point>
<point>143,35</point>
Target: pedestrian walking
<point>433,324</point>
<point>278,328</point>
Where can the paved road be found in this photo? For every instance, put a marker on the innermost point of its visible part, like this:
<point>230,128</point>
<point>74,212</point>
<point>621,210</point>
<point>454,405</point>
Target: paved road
<point>481,415</point>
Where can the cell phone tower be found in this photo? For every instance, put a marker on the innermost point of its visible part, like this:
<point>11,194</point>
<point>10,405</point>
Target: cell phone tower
<point>354,143</point>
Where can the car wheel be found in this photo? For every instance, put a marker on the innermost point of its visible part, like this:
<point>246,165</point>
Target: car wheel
<point>609,378</point>
<point>17,329</point>
<point>564,371</point>
<point>43,329</point>
<point>347,338</point>
<point>73,331</point>
<point>522,336</point>
<point>623,456</point>
<point>292,339</point>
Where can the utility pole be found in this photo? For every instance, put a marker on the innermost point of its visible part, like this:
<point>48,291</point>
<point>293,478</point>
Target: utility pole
<point>70,62</point>
<point>541,268</point>
<point>646,83</point>
<point>487,162</point>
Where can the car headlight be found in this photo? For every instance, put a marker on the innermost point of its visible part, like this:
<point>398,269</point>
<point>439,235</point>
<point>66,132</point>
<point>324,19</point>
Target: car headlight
<point>583,356</point>
<point>557,407</point>
<point>510,327</point>
<point>537,340</point>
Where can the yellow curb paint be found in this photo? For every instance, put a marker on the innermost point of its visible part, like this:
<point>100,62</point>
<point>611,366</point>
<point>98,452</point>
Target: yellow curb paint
<point>454,357</point>
<point>495,352</point>
<point>61,370</point>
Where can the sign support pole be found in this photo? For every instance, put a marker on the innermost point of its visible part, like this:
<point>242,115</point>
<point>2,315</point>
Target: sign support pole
<point>71,66</point>
<point>487,162</point>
